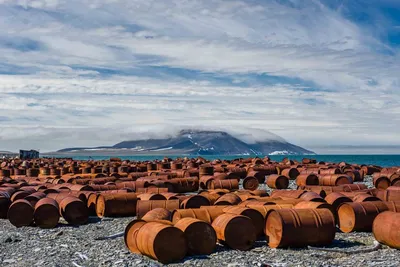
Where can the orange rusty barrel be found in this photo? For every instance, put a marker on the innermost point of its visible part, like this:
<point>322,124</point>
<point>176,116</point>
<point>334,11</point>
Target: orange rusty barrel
<point>46,214</point>
<point>314,205</point>
<point>143,206</point>
<point>393,205</point>
<point>195,202</point>
<point>151,196</point>
<point>4,206</point>
<point>353,187</point>
<point>19,195</point>
<point>260,176</point>
<point>230,184</point>
<point>264,209</point>
<point>311,196</point>
<point>157,215</point>
<point>292,173</point>
<point>206,169</point>
<point>73,210</point>
<point>392,193</point>
<point>250,183</point>
<point>205,181</point>
<point>20,213</point>
<point>288,193</point>
<point>359,216</point>
<point>363,197</point>
<point>116,205</point>
<point>381,181</point>
<point>330,171</point>
<point>35,197</point>
<point>201,214</point>
<point>212,197</point>
<point>335,179</point>
<point>277,181</point>
<point>336,199</point>
<point>228,199</point>
<point>156,240</point>
<point>214,211</point>
<point>200,236</point>
<point>255,216</point>
<point>235,231</point>
<point>307,179</point>
<point>298,227</point>
<point>386,229</point>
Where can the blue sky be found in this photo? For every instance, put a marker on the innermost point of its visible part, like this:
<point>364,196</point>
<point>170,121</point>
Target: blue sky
<point>88,73</point>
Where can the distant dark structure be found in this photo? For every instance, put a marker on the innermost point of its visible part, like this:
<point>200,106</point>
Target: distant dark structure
<point>28,154</point>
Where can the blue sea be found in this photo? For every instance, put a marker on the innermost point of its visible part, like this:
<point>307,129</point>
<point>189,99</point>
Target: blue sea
<point>380,160</point>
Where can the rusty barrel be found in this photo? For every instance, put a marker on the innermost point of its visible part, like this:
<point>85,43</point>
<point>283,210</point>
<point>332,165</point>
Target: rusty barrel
<point>200,236</point>
<point>359,216</point>
<point>19,195</point>
<point>381,181</point>
<point>156,240</point>
<point>292,173</point>
<point>386,229</point>
<point>35,197</point>
<point>116,205</point>
<point>214,211</point>
<point>20,213</point>
<point>256,217</point>
<point>307,179</point>
<point>143,206</point>
<point>277,181</point>
<point>201,214</point>
<point>312,196</point>
<point>298,227</point>
<point>392,193</point>
<point>250,183</point>
<point>363,197</point>
<point>228,199</point>
<point>314,205</point>
<point>195,202</point>
<point>230,184</point>
<point>235,231</point>
<point>205,180</point>
<point>260,176</point>
<point>334,180</point>
<point>73,210</point>
<point>336,199</point>
<point>157,215</point>
<point>91,204</point>
<point>288,193</point>
<point>4,206</point>
<point>46,214</point>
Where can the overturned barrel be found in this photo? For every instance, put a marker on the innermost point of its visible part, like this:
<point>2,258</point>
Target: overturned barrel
<point>116,205</point>
<point>297,227</point>
<point>386,229</point>
<point>200,236</point>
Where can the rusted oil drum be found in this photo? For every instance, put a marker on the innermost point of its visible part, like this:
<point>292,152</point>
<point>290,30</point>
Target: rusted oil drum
<point>158,241</point>
<point>214,211</point>
<point>393,205</point>
<point>151,196</point>
<point>228,199</point>
<point>359,216</point>
<point>157,215</point>
<point>91,204</point>
<point>292,173</point>
<point>334,179</point>
<point>19,195</point>
<point>307,179</point>
<point>35,197</point>
<point>205,181</point>
<point>255,216</point>
<point>336,199</point>
<point>201,214</point>
<point>312,196</point>
<point>201,237</point>
<point>74,211</point>
<point>116,205</point>
<point>143,206</point>
<point>20,213</point>
<point>212,197</point>
<point>277,181</point>
<point>381,181</point>
<point>230,184</point>
<point>259,175</point>
<point>298,227</point>
<point>206,169</point>
<point>330,171</point>
<point>314,205</point>
<point>386,229</point>
<point>392,193</point>
<point>363,197</point>
<point>4,205</point>
<point>46,214</point>
<point>260,193</point>
<point>235,231</point>
<point>195,202</point>
<point>353,187</point>
<point>250,183</point>
<point>288,193</point>
<point>264,209</point>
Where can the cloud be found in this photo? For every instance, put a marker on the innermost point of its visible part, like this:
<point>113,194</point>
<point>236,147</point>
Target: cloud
<point>95,72</point>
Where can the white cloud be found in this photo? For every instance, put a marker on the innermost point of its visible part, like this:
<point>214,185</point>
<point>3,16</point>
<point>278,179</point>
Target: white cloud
<point>103,70</point>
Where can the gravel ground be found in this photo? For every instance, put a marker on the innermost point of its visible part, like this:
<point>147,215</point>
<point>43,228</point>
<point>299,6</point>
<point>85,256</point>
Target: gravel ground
<point>76,246</point>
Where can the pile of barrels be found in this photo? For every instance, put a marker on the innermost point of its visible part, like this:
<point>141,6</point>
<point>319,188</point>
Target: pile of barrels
<point>185,206</point>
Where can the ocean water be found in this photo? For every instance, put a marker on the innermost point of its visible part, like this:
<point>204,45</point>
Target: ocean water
<point>380,160</point>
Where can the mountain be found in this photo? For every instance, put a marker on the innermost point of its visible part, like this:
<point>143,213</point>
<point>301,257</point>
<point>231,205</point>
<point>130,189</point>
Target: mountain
<point>195,142</point>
